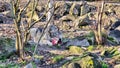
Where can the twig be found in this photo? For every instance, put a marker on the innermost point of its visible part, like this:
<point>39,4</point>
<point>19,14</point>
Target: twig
<point>25,7</point>
<point>42,35</point>
<point>39,19</point>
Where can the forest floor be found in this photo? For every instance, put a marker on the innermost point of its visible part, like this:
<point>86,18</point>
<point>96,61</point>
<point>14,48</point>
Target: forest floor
<point>60,55</point>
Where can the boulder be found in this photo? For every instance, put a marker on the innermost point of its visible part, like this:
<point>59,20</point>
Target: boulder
<point>86,8</point>
<point>73,65</point>
<point>77,42</point>
<point>115,31</point>
<point>87,60</point>
<point>67,18</point>
<point>116,35</point>
<point>1,21</point>
<point>75,50</point>
<point>4,6</point>
<point>81,21</point>
<point>62,8</point>
<point>115,25</point>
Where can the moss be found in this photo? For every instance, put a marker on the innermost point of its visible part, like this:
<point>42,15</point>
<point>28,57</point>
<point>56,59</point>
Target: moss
<point>86,60</point>
<point>76,49</point>
<point>57,58</point>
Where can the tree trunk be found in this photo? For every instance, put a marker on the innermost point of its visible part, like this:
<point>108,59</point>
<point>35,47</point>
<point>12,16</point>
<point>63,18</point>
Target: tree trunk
<point>98,31</point>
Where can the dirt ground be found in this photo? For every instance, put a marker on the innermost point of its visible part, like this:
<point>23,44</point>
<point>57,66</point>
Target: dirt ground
<point>7,30</point>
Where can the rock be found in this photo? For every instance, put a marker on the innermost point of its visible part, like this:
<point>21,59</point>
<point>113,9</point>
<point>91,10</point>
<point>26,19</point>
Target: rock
<point>115,25</point>
<point>1,21</point>
<point>115,31</point>
<point>73,10</point>
<point>73,65</point>
<point>29,65</point>
<point>75,49</point>
<point>40,8</point>
<point>7,13</point>
<point>67,18</point>
<point>38,61</point>
<point>81,21</point>
<point>62,8</point>
<point>109,10</point>
<point>77,42</point>
<point>116,35</point>
<point>117,66</point>
<point>86,8</point>
<point>2,18</point>
<point>4,6</point>
<point>88,60</point>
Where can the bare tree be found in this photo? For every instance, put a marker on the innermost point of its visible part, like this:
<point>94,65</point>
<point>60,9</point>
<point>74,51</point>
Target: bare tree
<point>98,31</point>
<point>21,34</point>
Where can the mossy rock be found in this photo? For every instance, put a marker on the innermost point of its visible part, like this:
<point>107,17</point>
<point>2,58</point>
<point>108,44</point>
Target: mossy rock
<point>86,60</point>
<point>110,52</point>
<point>75,49</point>
<point>74,65</point>
<point>92,61</point>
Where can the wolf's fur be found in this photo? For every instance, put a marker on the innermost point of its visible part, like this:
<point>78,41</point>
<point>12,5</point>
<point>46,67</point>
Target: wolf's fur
<point>36,33</point>
<point>51,34</point>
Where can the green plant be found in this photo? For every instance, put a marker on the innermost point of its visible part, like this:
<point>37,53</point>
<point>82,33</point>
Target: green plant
<point>9,66</point>
<point>90,48</point>
<point>57,58</point>
<point>34,65</point>
<point>110,52</point>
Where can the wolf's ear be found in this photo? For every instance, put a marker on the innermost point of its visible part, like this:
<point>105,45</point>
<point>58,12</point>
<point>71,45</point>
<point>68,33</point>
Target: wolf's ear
<point>59,41</point>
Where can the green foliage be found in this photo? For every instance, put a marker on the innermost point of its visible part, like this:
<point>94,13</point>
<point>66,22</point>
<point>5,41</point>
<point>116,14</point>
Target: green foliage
<point>7,47</point>
<point>34,65</point>
<point>4,41</point>
<point>30,48</point>
<point>110,52</point>
<point>23,62</point>
<point>9,66</point>
<point>104,65</point>
<point>38,57</point>
<point>86,60</point>
<point>90,37</point>
<point>57,58</point>
<point>111,39</point>
<point>90,48</point>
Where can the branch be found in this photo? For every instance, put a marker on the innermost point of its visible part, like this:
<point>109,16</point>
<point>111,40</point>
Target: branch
<point>42,35</point>
<point>25,7</point>
<point>39,19</point>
